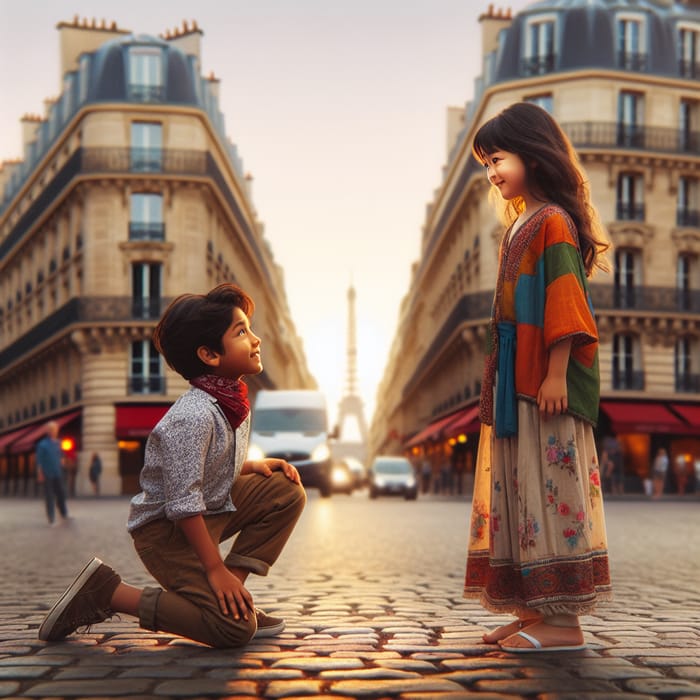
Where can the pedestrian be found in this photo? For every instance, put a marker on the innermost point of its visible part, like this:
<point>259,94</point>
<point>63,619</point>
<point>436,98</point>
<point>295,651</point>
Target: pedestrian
<point>49,460</point>
<point>680,472</point>
<point>94,472</point>
<point>538,544</point>
<point>659,470</point>
<point>198,490</point>
<point>615,468</point>
<point>426,473</point>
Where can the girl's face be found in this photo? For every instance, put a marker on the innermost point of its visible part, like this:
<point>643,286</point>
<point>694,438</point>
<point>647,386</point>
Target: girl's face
<point>507,172</point>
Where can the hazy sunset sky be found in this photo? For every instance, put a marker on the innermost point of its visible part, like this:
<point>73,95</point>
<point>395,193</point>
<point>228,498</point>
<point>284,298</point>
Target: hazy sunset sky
<point>338,108</point>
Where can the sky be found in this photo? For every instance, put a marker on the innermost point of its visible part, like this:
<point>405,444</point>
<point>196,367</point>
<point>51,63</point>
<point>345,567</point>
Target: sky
<point>338,108</point>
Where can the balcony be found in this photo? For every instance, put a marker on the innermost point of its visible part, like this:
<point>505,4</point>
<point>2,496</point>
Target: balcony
<point>629,211</point>
<point>632,60</point>
<point>538,65</point>
<point>688,217</point>
<point>146,160</point>
<point>146,231</point>
<point>689,69</point>
<point>688,383</point>
<point>145,385</point>
<point>146,93</point>
<point>608,297</point>
<point>146,308</point>
<point>614,135</point>
<point>627,379</point>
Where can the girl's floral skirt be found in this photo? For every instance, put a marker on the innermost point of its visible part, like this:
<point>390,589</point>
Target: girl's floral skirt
<point>537,538</point>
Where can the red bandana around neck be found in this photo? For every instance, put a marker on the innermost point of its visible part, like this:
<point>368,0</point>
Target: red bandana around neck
<point>232,395</point>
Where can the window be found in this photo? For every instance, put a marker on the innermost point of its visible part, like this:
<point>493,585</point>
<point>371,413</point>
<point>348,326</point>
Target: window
<point>626,363</point>
<point>146,74</point>
<point>544,101</point>
<point>628,265</point>
<point>146,375</point>
<point>688,126</point>
<point>688,202</point>
<point>630,197</point>
<point>146,222</point>
<point>145,285</point>
<point>631,54</point>
<point>83,78</point>
<point>629,119</point>
<point>689,51</point>
<point>688,282</point>
<point>686,364</point>
<point>539,46</point>
<point>146,146</point>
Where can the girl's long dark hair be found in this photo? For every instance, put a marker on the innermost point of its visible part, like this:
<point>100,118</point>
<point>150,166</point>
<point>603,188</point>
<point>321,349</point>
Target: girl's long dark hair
<point>553,172</point>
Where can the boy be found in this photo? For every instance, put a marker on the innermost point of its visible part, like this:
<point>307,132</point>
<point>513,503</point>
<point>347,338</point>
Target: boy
<point>198,490</point>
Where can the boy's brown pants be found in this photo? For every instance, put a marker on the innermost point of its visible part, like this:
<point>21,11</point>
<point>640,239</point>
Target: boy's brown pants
<point>267,510</point>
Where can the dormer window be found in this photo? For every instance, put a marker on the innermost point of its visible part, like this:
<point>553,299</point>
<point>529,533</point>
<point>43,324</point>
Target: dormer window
<point>145,74</point>
<point>689,50</point>
<point>539,45</point>
<point>631,43</point>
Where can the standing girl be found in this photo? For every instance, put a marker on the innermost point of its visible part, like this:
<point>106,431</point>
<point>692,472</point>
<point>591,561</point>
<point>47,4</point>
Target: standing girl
<point>538,546</point>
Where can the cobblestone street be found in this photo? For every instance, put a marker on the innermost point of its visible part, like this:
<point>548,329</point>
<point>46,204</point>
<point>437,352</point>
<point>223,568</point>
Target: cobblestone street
<point>372,596</point>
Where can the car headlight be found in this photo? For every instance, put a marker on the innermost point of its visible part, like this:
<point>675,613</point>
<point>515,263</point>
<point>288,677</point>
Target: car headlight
<point>340,477</point>
<point>255,453</point>
<point>378,481</point>
<point>320,453</point>
<point>410,482</point>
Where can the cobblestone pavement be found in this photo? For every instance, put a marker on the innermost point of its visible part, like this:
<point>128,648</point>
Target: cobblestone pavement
<point>372,596</point>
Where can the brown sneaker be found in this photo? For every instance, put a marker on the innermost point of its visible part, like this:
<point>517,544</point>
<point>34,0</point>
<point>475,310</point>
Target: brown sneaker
<point>268,626</point>
<point>85,602</point>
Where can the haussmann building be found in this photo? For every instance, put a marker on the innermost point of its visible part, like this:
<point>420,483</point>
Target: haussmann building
<point>129,193</point>
<point>623,79</point>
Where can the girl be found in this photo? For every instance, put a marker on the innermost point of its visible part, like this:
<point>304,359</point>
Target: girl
<point>538,545</point>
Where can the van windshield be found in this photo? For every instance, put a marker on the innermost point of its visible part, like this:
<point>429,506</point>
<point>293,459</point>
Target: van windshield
<point>289,420</point>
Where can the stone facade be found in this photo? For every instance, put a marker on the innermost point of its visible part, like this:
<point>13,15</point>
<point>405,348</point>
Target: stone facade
<point>128,195</point>
<point>634,120</point>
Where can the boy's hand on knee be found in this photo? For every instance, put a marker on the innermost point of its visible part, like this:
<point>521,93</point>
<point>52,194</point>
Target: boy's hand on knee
<point>232,595</point>
<point>271,464</point>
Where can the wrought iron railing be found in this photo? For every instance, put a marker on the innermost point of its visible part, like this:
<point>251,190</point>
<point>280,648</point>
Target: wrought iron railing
<point>84,310</point>
<point>628,380</point>
<point>632,60</point>
<point>689,69</point>
<point>146,231</point>
<point>688,217</point>
<point>146,93</point>
<point>629,211</point>
<point>163,160</point>
<point>688,383</point>
<point>614,135</point>
<point>145,385</point>
<point>538,65</point>
<point>608,297</point>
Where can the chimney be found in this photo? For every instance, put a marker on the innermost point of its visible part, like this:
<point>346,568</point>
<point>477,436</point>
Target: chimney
<point>491,24</point>
<point>30,124</point>
<point>186,38</point>
<point>83,36</point>
<point>214,84</point>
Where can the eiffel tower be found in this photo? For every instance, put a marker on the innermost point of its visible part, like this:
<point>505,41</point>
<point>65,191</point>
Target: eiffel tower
<point>350,406</point>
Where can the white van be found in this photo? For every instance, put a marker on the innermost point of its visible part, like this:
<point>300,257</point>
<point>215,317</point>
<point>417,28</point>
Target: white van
<point>293,425</point>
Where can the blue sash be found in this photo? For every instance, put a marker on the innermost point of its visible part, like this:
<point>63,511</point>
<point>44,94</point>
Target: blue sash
<point>506,400</point>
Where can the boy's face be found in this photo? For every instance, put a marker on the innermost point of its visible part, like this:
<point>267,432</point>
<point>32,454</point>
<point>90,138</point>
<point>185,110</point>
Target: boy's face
<point>241,350</point>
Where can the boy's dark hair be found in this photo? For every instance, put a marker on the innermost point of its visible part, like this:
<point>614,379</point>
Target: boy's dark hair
<point>193,320</point>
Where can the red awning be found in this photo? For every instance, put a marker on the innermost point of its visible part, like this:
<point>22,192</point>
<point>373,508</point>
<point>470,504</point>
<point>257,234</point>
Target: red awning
<point>690,413</point>
<point>13,435</point>
<point>643,417</point>
<point>432,431</point>
<point>466,422</point>
<point>27,442</point>
<point>138,421</point>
